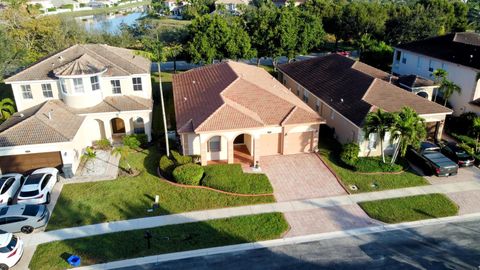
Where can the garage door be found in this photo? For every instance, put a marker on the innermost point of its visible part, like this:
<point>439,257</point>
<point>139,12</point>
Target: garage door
<point>29,162</point>
<point>298,142</point>
<point>269,144</point>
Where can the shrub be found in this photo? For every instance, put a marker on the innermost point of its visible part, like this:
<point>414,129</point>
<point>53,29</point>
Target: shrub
<point>166,167</point>
<point>135,140</point>
<point>188,174</point>
<point>67,6</point>
<point>179,159</point>
<point>52,9</point>
<point>375,164</point>
<point>465,139</point>
<point>349,154</point>
<point>103,144</point>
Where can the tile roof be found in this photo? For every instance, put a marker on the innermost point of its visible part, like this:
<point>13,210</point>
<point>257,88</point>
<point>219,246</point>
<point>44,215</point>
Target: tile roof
<point>232,95</point>
<point>459,48</point>
<point>83,65</point>
<point>49,122</point>
<point>118,61</point>
<point>412,81</point>
<point>33,125</point>
<point>353,89</point>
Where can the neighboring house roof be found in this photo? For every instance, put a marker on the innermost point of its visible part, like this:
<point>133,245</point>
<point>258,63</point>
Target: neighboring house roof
<point>49,122</point>
<point>118,61</point>
<point>354,89</point>
<point>232,95</point>
<point>459,48</point>
<point>413,81</point>
<point>117,104</point>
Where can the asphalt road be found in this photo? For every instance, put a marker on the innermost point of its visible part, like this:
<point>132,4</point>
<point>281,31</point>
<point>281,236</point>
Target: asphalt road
<point>449,246</point>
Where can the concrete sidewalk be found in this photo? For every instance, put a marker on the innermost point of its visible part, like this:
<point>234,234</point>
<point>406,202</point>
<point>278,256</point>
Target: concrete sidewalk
<point>284,207</point>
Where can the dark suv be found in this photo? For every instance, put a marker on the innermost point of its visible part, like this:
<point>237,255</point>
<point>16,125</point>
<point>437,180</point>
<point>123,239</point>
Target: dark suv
<point>458,155</point>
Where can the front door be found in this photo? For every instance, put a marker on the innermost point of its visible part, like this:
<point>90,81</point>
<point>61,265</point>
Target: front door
<point>118,126</point>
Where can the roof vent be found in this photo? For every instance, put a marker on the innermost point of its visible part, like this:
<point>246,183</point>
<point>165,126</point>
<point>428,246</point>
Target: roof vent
<point>341,100</point>
<point>60,58</point>
<point>193,82</point>
<point>184,98</point>
<point>50,115</point>
<point>22,115</point>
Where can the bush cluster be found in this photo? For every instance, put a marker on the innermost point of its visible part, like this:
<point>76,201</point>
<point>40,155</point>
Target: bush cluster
<point>103,144</point>
<point>166,167</point>
<point>179,159</point>
<point>135,140</point>
<point>169,164</point>
<point>188,174</point>
<point>349,153</point>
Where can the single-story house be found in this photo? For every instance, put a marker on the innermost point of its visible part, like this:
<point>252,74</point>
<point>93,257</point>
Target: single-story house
<point>343,91</point>
<point>232,112</point>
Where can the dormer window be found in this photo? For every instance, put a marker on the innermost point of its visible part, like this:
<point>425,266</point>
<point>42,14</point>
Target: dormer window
<point>26,91</point>
<point>137,84</point>
<point>78,85</point>
<point>95,83</point>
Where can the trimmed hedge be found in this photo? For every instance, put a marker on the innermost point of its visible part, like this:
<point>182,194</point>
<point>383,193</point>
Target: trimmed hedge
<point>166,166</point>
<point>375,164</point>
<point>188,174</point>
<point>179,159</point>
<point>349,154</point>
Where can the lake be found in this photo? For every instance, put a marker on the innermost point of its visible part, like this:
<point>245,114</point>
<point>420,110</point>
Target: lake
<point>111,22</point>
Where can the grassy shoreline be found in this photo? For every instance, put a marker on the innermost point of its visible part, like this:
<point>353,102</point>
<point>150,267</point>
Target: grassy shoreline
<point>97,11</point>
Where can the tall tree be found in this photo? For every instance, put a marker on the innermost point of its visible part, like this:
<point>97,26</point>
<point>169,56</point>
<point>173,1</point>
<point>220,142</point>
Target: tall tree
<point>172,50</point>
<point>379,122</point>
<point>447,88</point>
<point>408,130</point>
<point>362,17</point>
<point>439,75</point>
<point>154,49</point>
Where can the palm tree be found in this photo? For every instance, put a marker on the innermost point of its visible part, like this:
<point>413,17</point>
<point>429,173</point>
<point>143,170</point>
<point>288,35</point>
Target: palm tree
<point>7,108</point>
<point>408,129</point>
<point>379,122</point>
<point>448,88</point>
<point>476,129</point>
<point>123,151</point>
<point>173,50</point>
<point>154,49</point>
<point>439,75</point>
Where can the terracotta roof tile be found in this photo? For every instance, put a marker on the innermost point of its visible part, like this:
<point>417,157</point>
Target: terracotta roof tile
<point>231,95</point>
<point>117,104</point>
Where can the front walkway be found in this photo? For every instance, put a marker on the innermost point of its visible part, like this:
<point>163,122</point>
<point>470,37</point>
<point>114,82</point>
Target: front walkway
<point>300,176</point>
<point>283,207</point>
<point>103,167</point>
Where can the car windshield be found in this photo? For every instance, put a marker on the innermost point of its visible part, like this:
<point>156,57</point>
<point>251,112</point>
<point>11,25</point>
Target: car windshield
<point>10,246</point>
<point>34,179</point>
<point>29,193</point>
<point>31,210</point>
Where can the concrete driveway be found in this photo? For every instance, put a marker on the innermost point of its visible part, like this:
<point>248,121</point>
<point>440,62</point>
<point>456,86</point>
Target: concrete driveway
<point>300,176</point>
<point>463,175</point>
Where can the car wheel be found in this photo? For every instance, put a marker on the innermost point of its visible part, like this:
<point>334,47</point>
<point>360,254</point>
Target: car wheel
<point>9,202</point>
<point>3,266</point>
<point>26,230</point>
<point>48,199</point>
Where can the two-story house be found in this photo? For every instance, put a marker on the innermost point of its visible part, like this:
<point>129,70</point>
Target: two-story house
<point>457,53</point>
<point>70,99</point>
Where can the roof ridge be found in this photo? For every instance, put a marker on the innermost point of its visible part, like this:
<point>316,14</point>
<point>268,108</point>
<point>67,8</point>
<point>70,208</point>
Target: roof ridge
<point>27,117</point>
<point>288,115</point>
<point>112,51</point>
<point>244,110</point>
<point>369,88</point>
<point>111,63</point>
<point>50,127</point>
<point>40,61</point>
<point>210,116</point>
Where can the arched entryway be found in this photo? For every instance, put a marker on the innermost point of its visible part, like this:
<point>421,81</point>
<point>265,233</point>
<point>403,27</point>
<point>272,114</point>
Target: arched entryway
<point>118,126</point>
<point>243,149</point>
<point>99,130</point>
<point>138,125</point>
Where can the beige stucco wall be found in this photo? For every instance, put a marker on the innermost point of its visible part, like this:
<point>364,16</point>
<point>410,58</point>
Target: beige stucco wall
<point>88,99</point>
<point>270,144</point>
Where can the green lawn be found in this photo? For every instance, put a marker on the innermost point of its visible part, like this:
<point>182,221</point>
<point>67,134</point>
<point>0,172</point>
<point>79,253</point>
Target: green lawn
<point>365,182</point>
<point>166,239</point>
<point>130,197</point>
<point>230,177</point>
<point>410,208</point>
<point>104,10</point>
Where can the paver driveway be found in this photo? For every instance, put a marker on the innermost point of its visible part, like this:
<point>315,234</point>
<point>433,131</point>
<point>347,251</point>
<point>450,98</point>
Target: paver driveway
<point>300,176</point>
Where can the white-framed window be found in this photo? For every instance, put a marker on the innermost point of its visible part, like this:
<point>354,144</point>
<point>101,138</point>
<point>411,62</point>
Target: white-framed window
<point>305,96</point>
<point>26,91</point>
<point>431,66</point>
<point>63,87</point>
<point>78,85</point>
<point>47,90</point>
<point>372,141</point>
<point>404,58</point>
<point>137,84</point>
<point>332,114</point>
<point>95,83</point>
<point>318,106</point>
<point>116,88</point>
<point>215,144</point>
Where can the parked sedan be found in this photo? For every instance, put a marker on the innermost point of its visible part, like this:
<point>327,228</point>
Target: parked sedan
<point>23,218</point>
<point>9,186</point>
<point>458,155</point>
<point>38,186</point>
<point>11,250</point>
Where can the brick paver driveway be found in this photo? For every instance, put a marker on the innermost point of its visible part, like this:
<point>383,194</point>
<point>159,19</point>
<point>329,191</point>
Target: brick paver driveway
<point>300,176</point>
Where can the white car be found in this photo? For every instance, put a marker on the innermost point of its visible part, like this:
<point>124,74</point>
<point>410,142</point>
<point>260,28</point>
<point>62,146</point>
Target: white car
<point>38,186</point>
<point>11,250</point>
<point>9,186</point>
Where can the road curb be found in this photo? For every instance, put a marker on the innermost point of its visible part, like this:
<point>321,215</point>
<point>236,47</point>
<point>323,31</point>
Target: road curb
<point>277,242</point>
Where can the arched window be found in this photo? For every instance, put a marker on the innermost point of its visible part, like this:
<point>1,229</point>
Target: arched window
<point>215,144</point>
<point>138,126</point>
